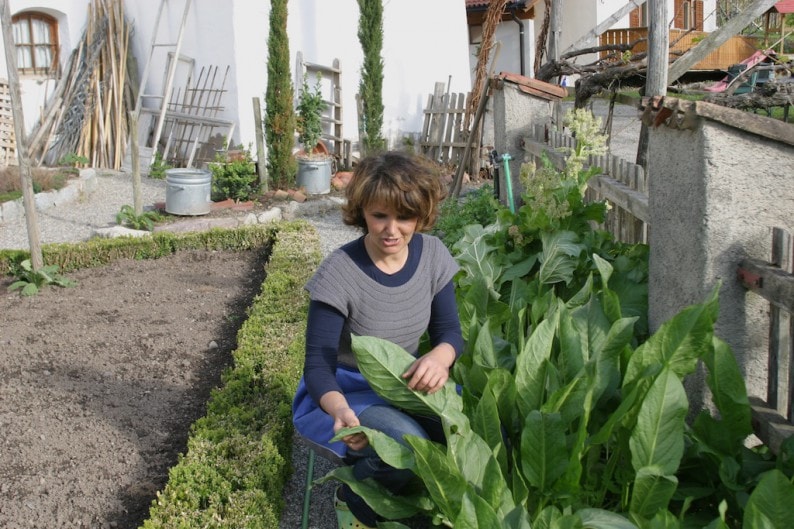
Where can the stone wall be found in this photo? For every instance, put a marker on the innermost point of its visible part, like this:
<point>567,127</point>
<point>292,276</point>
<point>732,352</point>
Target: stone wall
<point>720,181</point>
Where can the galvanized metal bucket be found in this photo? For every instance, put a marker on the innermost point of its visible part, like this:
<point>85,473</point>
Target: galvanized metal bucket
<point>314,176</point>
<point>188,191</point>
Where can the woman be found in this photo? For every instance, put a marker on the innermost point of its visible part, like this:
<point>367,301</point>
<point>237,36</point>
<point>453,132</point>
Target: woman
<point>393,283</point>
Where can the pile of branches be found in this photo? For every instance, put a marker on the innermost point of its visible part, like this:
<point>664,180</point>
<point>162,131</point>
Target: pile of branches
<point>619,67</point>
<point>88,112</point>
<point>765,97</point>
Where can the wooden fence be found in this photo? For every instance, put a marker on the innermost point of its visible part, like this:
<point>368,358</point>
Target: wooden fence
<point>773,418</point>
<point>444,134</point>
<point>622,184</point>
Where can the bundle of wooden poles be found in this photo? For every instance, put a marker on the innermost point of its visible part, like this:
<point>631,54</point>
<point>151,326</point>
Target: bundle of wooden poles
<point>87,114</point>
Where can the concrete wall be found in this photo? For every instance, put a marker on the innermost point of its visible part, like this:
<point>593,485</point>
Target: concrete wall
<point>514,114</point>
<point>716,192</point>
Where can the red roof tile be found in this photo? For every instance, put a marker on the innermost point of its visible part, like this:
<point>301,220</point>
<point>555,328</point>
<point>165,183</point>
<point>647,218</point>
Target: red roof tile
<point>480,4</point>
<point>784,6</point>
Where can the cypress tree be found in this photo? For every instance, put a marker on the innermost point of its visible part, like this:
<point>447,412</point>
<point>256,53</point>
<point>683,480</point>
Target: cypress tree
<point>279,112</point>
<point>370,35</point>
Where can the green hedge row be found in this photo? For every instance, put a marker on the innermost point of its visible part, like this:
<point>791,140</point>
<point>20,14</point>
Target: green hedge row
<point>238,457</point>
<point>98,252</point>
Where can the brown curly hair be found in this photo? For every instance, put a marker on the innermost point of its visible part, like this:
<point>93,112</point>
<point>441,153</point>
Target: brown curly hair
<point>408,184</point>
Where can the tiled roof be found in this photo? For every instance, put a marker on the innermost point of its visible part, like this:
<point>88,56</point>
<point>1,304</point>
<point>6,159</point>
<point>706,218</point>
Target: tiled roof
<point>482,4</point>
<point>784,6</point>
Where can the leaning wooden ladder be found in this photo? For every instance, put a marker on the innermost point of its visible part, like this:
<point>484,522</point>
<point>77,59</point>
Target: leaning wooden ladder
<point>332,119</point>
<point>169,84</point>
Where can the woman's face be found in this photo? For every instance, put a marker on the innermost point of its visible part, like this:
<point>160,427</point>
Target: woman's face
<point>388,232</point>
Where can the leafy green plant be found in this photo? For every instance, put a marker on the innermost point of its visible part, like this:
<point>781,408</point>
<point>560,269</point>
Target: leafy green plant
<point>570,414</point>
<point>476,207</point>
<point>145,221</point>
<point>73,160</point>
<point>569,425</point>
<point>310,112</point>
<point>158,167</point>
<point>30,281</point>
<point>235,179</point>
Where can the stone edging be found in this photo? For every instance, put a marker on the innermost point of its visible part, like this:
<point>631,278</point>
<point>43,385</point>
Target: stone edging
<point>74,189</point>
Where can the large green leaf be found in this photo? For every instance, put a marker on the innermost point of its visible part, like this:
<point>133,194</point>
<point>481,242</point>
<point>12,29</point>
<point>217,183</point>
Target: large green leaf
<point>471,455</point>
<point>383,362</point>
<point>651,492</point>
<point>678,344</point>
<point>658,437</point>
<point>531,366</point>
<point>770,504</point>
<point>442,478</point>
<point>729,394</point>
<point>544,456</point>
<point>388,505</point>
<point>476,256</point>
<point>476,513</point>
<point>485,422</point>
<point>393,453</point>
<point>559,258</point>
<point>601,519</point>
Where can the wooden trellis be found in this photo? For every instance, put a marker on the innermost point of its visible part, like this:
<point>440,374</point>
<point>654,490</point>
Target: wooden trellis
<point>8,143</point>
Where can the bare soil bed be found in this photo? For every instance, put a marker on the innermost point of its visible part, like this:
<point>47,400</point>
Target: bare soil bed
<point>100,383</point>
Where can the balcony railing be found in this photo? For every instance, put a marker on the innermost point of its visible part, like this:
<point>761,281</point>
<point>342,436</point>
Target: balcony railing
<point>735,50</point>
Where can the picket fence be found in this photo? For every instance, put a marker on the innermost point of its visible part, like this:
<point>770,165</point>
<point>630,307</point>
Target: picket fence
<point>622,184</point>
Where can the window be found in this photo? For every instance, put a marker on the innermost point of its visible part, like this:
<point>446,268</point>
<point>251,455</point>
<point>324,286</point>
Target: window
<point>475,34</point>
<point>36,39</point>
<point>644,15</point>
<point>686,9</point>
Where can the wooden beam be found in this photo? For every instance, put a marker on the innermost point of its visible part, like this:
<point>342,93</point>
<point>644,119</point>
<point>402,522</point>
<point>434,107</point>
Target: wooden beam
<point>622,196</point>
<point>717,38</point>
<point>769,425</point>
<point>773,284</point>
<point>610,21</point>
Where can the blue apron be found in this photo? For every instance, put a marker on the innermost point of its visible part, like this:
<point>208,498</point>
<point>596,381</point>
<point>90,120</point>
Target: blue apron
<point>315,425</point>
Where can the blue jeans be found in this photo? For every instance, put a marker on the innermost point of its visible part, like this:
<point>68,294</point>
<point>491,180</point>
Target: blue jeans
<point>367,464</point>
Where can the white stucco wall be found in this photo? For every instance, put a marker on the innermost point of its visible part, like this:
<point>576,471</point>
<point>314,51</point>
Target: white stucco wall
<point>35,91</point>
<point>508,58</point>
<point>424,43</point>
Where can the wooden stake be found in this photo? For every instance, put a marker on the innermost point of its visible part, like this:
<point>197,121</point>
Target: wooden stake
<point>36,259</point>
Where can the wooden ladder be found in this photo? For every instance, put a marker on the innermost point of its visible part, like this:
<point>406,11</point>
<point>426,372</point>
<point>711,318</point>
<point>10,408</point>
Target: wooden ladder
<point>332,95</point>
<point>175,58</point>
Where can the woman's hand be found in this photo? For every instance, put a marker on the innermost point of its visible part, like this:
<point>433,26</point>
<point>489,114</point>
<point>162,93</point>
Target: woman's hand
<point>335,404</point>
<point>346,418</point>
<point>430,371</point>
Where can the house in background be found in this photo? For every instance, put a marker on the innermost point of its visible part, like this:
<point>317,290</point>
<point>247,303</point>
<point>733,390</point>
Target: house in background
<point>515,33</point>
<point>229,39</point>
<point>689,21</point>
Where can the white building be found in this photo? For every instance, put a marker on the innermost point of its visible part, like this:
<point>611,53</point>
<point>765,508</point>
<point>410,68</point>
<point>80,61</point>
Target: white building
<point>424,43</point>
<point>522,23</point>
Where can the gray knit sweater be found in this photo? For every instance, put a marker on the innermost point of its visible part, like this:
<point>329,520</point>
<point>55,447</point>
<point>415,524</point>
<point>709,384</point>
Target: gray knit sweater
<point>399,314</point>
